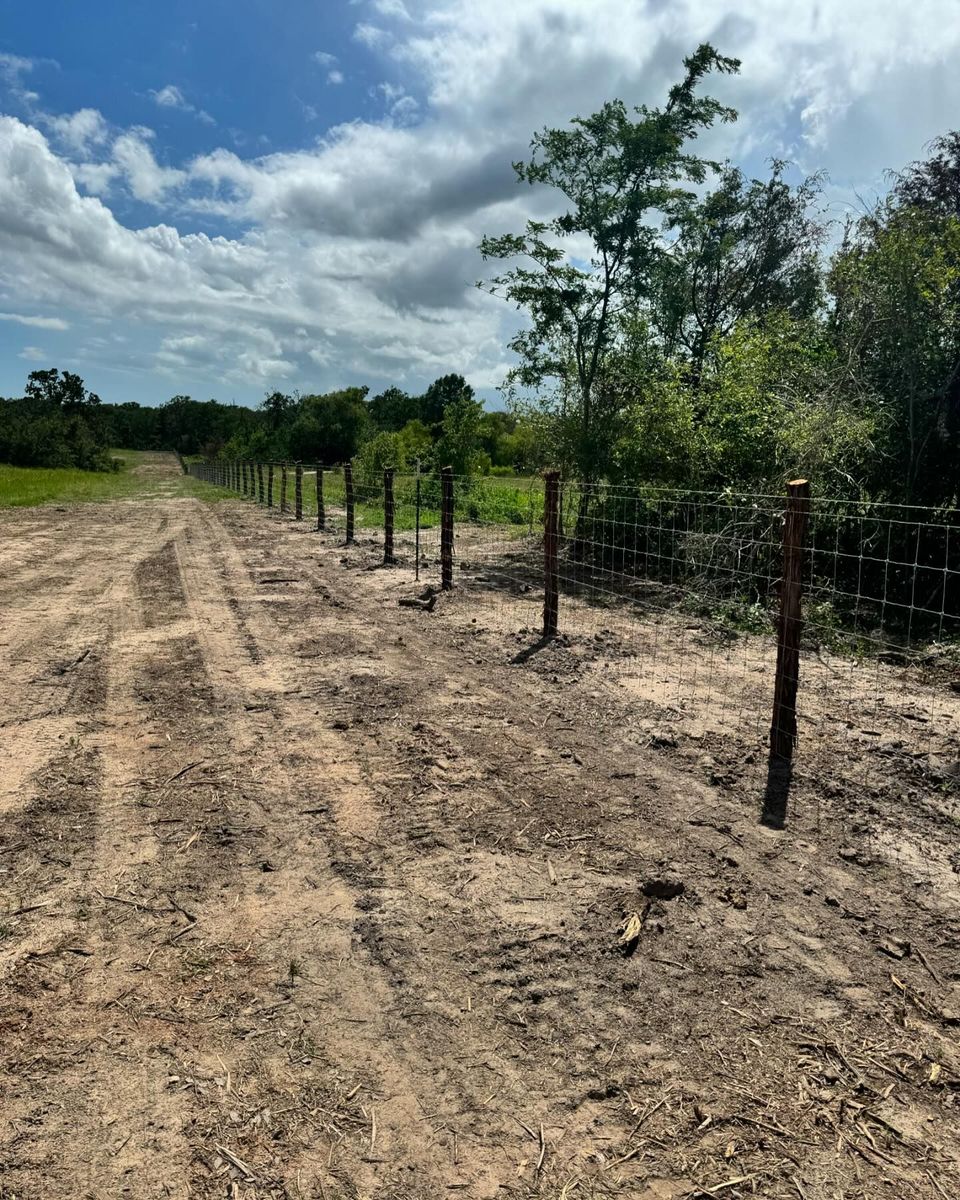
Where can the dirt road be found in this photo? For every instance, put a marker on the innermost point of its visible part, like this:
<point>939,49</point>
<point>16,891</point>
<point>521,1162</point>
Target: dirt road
<point>303,894</point>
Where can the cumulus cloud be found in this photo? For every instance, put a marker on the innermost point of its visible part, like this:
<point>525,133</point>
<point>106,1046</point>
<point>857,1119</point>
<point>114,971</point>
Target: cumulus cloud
<point>33,354</point>
<point>133,158</point>
<point>356,255</point>
<point>79,131</point>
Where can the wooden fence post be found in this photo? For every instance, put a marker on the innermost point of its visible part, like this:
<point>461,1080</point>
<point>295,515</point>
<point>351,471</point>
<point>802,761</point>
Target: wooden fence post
<point>388,512</point>
<point>446,528</point>
<point>260,483</point>
<point>269,485</point>
<point>551,549</point>
<point>416,544</point>
<point>243,477</point>
<point>783,729</point>
<point>348,488</point>
<point>321,515</point>
<point>298,492</point>
<point>283,488</point>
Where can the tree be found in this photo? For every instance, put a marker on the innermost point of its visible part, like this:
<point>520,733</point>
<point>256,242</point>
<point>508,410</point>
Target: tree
<point>460,434</point>
<point>446,390</point>
<point>745,249</point>
<point>392,409</point>
<point>895,283</point>
<point>619,176</point>
<point>63,391</point>
<point>330,428</point>
<point>279,408</point>
<point>933,184</point>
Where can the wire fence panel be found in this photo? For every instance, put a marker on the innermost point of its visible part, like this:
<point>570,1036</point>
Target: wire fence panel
<point>675,597</point>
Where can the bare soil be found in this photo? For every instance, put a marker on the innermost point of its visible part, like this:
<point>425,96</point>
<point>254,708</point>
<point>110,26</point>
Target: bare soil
<point>305,894</point>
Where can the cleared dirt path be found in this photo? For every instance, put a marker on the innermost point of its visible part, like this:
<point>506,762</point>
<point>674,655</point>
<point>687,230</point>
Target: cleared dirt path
<point>303,894</point>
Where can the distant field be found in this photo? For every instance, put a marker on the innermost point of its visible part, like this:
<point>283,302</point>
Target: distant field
<point>144,473</point>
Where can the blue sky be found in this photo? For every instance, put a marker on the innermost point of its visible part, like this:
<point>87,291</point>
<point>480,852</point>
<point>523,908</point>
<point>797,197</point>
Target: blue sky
<point>224,198</point>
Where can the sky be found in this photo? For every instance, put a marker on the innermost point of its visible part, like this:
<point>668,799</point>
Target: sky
<point>221,199</point>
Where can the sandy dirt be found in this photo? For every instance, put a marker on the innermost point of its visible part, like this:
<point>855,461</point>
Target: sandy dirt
<point>305,894</point>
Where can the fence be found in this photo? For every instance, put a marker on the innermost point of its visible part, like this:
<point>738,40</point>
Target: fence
<point>765,618</point>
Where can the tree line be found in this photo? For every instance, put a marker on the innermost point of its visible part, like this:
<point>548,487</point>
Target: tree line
<point>685,325</point>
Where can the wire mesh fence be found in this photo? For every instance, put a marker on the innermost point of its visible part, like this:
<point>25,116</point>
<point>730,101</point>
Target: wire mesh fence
<point>682,599</point>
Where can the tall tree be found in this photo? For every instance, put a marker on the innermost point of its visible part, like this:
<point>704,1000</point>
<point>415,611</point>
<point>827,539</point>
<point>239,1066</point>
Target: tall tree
<point>895,283</point>
<point>620,178</point>
<point>745,249</point>
<point>933,184</point>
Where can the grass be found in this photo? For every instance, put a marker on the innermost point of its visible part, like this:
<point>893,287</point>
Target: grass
<point>142,475</point>
<point>484,500</point>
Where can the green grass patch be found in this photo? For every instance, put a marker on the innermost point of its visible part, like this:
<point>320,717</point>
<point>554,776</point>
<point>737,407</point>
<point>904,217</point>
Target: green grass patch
<point>142,475</point>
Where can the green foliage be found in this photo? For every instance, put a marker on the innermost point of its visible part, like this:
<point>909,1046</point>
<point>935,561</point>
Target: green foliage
<point>57,423</point>
<point>393,409</point>
<point>459,441</point>
<point>618,176</point>
<point>744,250</point>
<point>896,287</point>
<point>384,450</point>
<point>329,428</point>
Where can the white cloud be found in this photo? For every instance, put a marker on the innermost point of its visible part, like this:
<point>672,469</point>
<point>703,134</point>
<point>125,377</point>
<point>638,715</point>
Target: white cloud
<point>35,322</point>
<point>170,96</point>
<point>335,77</point>
<point>79,131</point>
<point>33,354</point>
<point>391,8</point>
<point>147,179</point>
<point>325,59</point>
<point>372,36</point>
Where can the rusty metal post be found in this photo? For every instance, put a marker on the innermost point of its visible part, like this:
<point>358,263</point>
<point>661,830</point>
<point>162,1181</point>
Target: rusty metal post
<point>283,488</point>
<point>348,488</point>
<point>321,515</point>
<point>551,551</point>
<point>783,728</point>
<point>446,528</point>
<point>417,541</point>
<point>298,492</point>
<point>388,515</point>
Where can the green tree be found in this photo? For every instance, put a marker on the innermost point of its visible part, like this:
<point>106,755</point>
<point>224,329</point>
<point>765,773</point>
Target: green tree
<point>619,176</point>
<point>459,441</point>
<point>393,408</point>
<point>743,250</point>
<point>330,428</point>
<point>895,283</point>
<point>447,390</point>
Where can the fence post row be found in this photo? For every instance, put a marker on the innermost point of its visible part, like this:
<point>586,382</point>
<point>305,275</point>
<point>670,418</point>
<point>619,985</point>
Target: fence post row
<point>551,548</point>
<point>283,488</point>
<point>388,516</point>
<point>783,728</point>
<point>348,488</point>
<point>298,491</point>
<point>446,528</point>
